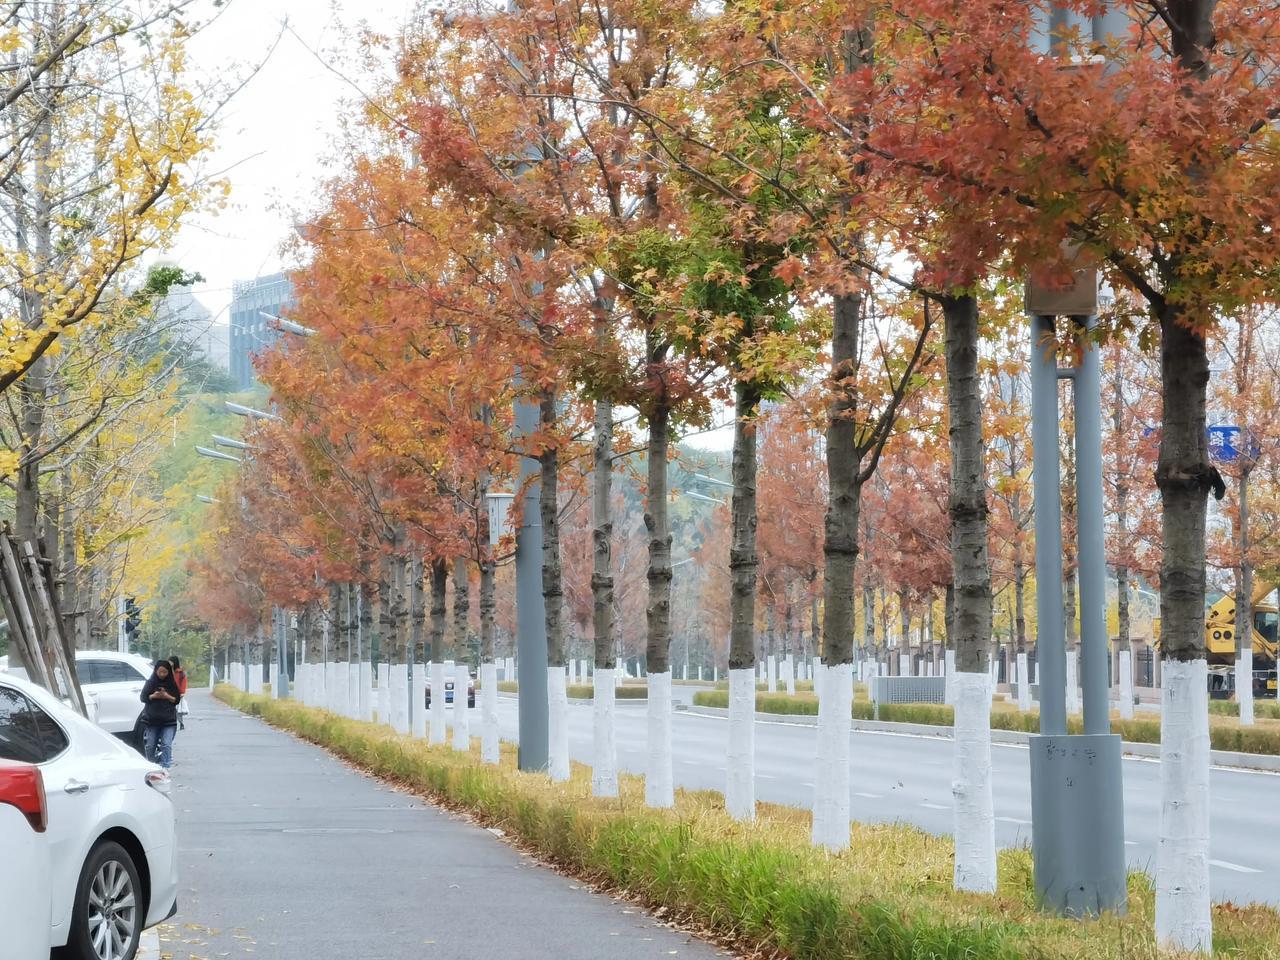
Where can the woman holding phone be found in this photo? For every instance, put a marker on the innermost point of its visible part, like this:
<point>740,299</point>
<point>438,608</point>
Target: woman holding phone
<point>160,698</point>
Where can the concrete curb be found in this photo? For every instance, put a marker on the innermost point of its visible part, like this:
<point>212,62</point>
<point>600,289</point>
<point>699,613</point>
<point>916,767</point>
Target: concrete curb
<point>1147,751</point>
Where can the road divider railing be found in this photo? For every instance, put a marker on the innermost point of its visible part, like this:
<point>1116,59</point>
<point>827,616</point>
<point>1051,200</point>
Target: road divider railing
<point>758,887</point>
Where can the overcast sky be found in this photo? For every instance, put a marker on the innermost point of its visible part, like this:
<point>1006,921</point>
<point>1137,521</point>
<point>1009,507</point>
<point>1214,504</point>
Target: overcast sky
<point>275,136</point>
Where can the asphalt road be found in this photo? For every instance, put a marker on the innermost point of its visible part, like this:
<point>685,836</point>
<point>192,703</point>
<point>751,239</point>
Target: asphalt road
<point>906,778</point>
<point>288,854</point>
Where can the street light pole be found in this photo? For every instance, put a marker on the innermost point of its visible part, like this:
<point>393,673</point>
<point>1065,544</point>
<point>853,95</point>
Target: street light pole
<point>1077,799</point>
<point>531,610</point>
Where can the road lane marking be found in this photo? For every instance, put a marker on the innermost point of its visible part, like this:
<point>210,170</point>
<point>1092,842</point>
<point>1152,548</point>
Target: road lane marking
<point>934,806</point>
<point>1021,823</point>
<point>869,796</point>
<point>765,776</point>
<point>1131,843</point>
<point>1127,758</point>
<point>1234,867</point>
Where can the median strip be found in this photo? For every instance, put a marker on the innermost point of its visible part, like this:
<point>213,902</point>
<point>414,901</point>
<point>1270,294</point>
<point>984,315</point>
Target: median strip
<point>760,886</point>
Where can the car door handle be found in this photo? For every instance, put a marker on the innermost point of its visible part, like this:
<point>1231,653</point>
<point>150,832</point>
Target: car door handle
<point>75,786</point>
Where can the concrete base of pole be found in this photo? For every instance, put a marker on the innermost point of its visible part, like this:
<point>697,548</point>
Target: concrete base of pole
<point>1077,836</point>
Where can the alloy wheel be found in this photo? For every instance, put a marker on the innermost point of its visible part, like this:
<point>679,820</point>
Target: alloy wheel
<point>113,911</point>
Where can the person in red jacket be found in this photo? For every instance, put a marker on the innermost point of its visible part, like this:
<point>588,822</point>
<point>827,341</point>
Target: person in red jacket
<point>180,677</point>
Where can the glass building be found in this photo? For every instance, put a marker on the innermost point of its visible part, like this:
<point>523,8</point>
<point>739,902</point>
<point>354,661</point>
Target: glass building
<point>251,332</point>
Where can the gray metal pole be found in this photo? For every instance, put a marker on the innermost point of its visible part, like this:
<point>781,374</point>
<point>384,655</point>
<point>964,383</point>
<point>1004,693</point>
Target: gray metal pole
<point>1095,675</point>
<point>531,611</point>
<point>1051,638</point>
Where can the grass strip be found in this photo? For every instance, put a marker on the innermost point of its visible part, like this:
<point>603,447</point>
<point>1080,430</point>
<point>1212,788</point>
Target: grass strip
<point>1224,733</point>
<point>760,886</point>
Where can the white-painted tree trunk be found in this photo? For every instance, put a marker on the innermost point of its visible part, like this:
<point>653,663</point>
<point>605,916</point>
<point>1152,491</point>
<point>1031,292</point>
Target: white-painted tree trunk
<point>1024,683</point>
<point>831,781</point>
<point>489,752</point>
<point>342,685</point>
<point>352,679</point>
<point>604,769</point>
<point>584,671</point>
<point>557,725</point>
<point>1244,685</point>
<point>331,686</point>
<point>384,693</point>
<point>975,821</point>
<point>275,681</point>
<point>740,785</point>
<point>1183,920</point>
<point>572,667</point>
<point>761,670</point>
<point>400,697</point>
<point>771,673</point>
<point>366,691</point>
<point>659,778</point>
<point>439,732</point>
<point>1073,682</point>
<point>419,700</point>
<point>904,664</point>
<point>815,671</point>
<point>1126,684</point>
<point>461,717</point>
<point>789,674</point>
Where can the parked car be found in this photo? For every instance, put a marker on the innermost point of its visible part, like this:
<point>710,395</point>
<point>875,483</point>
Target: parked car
<point>115,681</point>
<point>24,893</point>
<point>448,690</point>
<point>112,685</point>
<point>110,835</point>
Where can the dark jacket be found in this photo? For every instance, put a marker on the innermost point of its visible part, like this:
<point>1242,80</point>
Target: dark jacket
<point>160,712</point>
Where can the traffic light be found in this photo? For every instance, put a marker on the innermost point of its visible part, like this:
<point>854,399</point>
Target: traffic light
<point>132,619</point>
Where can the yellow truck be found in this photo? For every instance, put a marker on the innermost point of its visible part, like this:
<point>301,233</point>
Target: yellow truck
<point>1220,640</point>
<point>1220,635</point>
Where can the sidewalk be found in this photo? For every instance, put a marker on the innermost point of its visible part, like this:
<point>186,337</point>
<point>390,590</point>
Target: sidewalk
<point>287,853</point>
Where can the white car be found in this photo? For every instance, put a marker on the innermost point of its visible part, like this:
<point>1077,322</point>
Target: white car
<point>115,681</point>
<point>111,842</point>
<point>24,893</point>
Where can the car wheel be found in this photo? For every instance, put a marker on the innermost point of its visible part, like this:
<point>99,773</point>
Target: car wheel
<point>108,914</point>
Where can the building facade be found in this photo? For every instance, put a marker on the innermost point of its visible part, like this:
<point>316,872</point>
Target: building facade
<point>251,332</point>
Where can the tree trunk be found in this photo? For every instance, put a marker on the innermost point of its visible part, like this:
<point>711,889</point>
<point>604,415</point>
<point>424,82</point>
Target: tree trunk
<point>975,858</point>
<point>462,654</point>
<point>1244,599</point>
<point>416,658</point>
<point>840,556</point>
<point>1019,595</point>
<point>1184,476</point>
<point>553,595</point>
<point>740,794</point>
<point>868,619</point>
<point>604,769</point>
<point>400,617</point>
<point>904,625</point>
<point>659,789</point>
<point>461,610</point>
<point>439,612</point>
<point>489,749</point>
